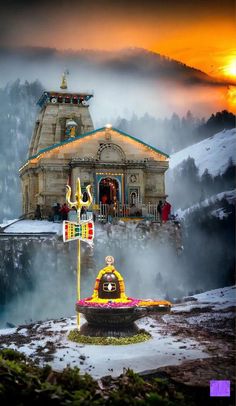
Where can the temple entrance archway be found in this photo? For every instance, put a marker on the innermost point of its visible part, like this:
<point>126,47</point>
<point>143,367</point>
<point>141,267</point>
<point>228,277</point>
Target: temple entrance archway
<point>109,191</point>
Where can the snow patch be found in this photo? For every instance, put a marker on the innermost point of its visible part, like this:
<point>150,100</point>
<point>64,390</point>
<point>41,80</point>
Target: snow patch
<point>7,331</point>
<point>218,295</point>
<point>229,195</point>
<point>34,226</point>
<point>8,222</point>
<point>220,213</point>
<point>221,298</point>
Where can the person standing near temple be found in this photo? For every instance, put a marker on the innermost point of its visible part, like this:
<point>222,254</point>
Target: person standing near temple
<point>159,210</point>
<point>64,212</point>
<point>37,213</point>
<point>104,199</point>
<point>166,209</point>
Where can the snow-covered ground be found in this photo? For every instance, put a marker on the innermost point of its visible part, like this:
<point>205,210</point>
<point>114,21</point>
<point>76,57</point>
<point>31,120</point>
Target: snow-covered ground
<point>33,226</point>
<point>213,153</point>
<point>229,195</point>
<point>99,360</point>
<point>8,222</point>
<point>47,342</point>
<point>217,299</point>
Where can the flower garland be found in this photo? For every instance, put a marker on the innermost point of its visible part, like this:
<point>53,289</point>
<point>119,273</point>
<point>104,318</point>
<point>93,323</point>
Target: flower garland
<point>108,303</point>
<point>129,302</point>
<point>150,302</point>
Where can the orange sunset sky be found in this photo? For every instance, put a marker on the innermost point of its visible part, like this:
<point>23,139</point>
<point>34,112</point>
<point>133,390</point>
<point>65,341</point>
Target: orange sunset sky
<point>199,33</point>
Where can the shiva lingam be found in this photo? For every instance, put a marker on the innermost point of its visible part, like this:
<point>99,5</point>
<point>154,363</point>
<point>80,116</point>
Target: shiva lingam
<point>109,312</point>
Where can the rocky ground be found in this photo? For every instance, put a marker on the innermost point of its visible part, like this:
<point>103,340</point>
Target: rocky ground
<point>212,324</point>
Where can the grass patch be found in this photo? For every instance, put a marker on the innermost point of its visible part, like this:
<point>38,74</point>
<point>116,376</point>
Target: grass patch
<point>141,336</point>
<point>24,383</point>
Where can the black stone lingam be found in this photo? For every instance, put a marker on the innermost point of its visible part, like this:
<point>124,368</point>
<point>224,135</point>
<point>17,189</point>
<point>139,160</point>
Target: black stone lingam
<point>109,312</point>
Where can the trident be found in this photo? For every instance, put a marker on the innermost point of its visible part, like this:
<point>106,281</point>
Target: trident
<point>78,204</point>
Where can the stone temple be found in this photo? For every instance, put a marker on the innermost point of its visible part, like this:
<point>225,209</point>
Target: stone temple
<point>121,168</point>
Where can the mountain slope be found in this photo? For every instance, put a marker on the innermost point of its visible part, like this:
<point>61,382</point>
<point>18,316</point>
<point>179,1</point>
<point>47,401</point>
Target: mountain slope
<point>124,82</point>
<point>213,153</point>
<point>136,61</point>
<point>219,212</point>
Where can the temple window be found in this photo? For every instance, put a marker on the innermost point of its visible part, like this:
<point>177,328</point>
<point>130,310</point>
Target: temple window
<point>71,128</point>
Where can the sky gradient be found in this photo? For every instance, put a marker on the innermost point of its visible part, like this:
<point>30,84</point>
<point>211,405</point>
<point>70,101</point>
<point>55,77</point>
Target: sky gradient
<point>199,33</point>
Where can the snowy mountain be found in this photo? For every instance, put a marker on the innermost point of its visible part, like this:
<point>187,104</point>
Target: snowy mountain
<point>203,170</point>
<point>201,188</point>
<point>213,153</point>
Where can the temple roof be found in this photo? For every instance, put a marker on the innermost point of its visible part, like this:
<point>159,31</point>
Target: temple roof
<point>74,139</point>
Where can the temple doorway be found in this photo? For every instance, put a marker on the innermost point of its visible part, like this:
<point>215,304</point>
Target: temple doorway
<point>108,191</point>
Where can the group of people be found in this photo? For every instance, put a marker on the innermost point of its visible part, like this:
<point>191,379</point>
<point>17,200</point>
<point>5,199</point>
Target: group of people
<point>164,210</point>
<point>58,213</point>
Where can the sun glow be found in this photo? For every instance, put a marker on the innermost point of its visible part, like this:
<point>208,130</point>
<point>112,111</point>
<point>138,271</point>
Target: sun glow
<point>230,68</point>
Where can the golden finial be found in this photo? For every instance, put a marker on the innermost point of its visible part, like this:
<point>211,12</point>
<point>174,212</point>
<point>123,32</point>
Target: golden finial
<point>109,260</point>
<point>64,81</point>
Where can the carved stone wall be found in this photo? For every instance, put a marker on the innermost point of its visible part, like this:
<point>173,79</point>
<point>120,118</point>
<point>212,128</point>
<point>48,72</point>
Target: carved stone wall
<point>50,124</point>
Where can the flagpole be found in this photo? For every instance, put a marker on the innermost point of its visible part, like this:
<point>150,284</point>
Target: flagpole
<point>78,204</point>
<point>78,273</point>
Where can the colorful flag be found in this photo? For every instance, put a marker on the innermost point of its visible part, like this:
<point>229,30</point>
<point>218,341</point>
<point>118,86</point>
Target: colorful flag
<point>74,231</point>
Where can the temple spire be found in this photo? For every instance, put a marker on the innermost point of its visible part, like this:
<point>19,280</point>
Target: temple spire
<point>64,81</point>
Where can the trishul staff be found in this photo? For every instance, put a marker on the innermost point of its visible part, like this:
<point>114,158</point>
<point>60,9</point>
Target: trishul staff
<point>82,230</point>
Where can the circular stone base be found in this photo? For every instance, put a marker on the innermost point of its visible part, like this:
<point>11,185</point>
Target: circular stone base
<point>95,330</point>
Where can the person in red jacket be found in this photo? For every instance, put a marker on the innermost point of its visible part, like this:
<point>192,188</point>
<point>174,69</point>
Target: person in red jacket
<point>166,209</point>
<point>64,211</point>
